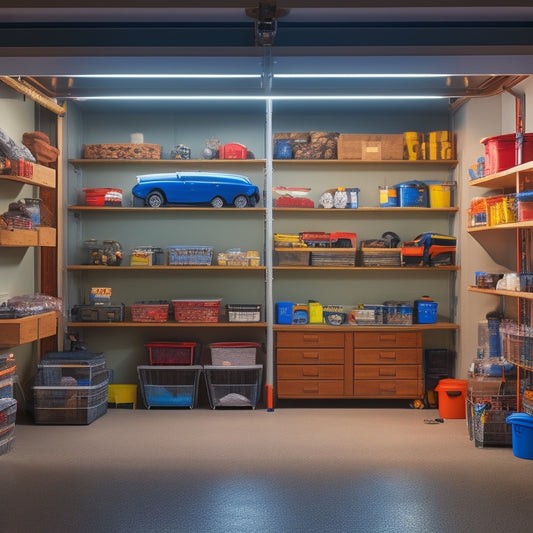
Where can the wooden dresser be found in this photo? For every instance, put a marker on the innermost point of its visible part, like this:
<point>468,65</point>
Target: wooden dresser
<point>349,364</point>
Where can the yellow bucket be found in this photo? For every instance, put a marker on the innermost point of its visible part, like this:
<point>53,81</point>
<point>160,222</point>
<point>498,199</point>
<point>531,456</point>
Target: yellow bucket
<point>122,394</point>
<point>440,195</point>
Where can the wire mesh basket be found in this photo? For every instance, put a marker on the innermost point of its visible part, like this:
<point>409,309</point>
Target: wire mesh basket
<point>169,386</point>
<point>196,310</point>
<point>150,311</point>
<point>233,386</point>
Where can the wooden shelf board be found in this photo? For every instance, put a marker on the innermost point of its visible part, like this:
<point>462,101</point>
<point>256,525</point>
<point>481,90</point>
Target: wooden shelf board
<point>450,268</point>
<point>350,327</point>
<point>109,209</point>
<point>167,325</point>
<point>366,210</point>
<point>152,268</point>
<point>180,162</point>
<point>498,292</point>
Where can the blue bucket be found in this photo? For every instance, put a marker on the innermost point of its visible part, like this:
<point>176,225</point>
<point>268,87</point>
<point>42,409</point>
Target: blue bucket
<point>522,434</point>
<point>412,194</point>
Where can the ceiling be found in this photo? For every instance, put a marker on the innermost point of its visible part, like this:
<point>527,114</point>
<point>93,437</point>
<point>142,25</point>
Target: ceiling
<point>474,47</point>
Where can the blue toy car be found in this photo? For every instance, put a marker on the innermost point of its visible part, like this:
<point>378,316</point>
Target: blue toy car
<point>210,188</point>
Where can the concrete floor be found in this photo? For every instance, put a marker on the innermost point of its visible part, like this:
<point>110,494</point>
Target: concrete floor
<point>238,470</point>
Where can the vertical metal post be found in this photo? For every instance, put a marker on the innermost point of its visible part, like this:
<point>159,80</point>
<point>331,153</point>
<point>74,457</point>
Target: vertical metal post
<point>269,371</point>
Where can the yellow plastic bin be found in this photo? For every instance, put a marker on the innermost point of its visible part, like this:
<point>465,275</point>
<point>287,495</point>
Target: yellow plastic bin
<point>452,398</point>
<point>122,395</point>
<point>440,194</point>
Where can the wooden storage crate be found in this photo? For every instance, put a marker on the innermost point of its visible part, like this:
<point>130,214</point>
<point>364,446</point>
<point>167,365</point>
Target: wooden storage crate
<point>122,151</point>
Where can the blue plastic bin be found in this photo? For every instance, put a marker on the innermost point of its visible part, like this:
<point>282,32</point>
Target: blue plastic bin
<point>412,194</point>
<point>522,430</point>
<point>284,312</point>
<point>425,312</point>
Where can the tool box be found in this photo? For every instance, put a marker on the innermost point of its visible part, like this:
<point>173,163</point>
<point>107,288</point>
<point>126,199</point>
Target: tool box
<point>98,313</point>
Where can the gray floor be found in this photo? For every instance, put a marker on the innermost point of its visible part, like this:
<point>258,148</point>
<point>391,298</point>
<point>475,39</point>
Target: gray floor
<point>236,470</point>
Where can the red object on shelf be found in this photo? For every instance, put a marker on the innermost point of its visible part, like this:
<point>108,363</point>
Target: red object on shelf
<point>171,353</point>
<point>501,152</point>
<point>287,201</point>
<point>103,196</point>
<point>232,151</point>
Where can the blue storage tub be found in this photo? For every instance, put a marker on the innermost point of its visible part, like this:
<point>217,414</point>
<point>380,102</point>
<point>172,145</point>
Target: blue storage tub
<point>522,426</point>
<point>412,194</point>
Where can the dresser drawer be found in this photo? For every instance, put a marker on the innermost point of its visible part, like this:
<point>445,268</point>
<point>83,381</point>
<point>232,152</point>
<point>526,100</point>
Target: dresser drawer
<point>398,356</point>
<point>290,339</point>
<point>310,372</point>
<point>375,388</point>
<point>309,356</point>
<point>302,388</point>
<point>388,372</point>
<point>403,339</point>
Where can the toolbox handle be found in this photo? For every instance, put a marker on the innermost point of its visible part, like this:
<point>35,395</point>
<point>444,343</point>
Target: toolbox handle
<point>453,393</point>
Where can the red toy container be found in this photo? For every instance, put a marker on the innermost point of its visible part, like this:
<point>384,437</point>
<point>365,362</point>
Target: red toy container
<point>500,152</point>
<point>103,196</point>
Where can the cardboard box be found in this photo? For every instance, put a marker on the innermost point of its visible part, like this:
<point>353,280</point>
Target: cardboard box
<point>368,147</point>
<point>14,331</point>
<point>46,236</point>
<point>18,237</point>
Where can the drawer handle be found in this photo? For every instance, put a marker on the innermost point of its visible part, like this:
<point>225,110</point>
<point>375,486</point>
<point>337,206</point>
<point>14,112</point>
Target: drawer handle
<point>387,337</point>
<point>310,355</point>
<point>311,338</point>
<point>387,371</point>
<point>387,355</point>
<point>310,389</point>
<point>387,388</point>
<point>310,372</point>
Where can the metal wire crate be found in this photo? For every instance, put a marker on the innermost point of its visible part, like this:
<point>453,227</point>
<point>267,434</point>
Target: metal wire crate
<point>169,386</point>
<point>233,386</point>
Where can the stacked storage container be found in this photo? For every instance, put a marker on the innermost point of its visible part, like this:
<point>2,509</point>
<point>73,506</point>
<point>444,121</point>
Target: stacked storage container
<point>8,405</point>
<point>233,379</point>
<point>70,388</point>
<point>171,379</point>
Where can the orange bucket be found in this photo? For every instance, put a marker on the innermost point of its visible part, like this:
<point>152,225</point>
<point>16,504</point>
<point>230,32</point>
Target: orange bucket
<point>452,398</point>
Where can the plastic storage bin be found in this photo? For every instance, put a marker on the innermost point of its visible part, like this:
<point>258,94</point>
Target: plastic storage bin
<point>150,311</point>
<point>501,151</point>
<point>244,312</point>
<point>234,353</point>
<point>522,426</point>
<point>190,255</point>
<point>8,412</point>
<point>196,310</point>
<point>171,353</point>
<point>233,386</point>
<point>425,312</point>
<point>412,194</point>
<point>284,311</point>
<point>119,394</point>
<point>169,386</point>
<point>452,398</point>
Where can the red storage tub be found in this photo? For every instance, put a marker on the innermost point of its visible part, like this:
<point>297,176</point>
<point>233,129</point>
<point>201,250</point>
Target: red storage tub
<point>103,196</point>
<point>232,151</point>
<point>500,152</point>
<point>171,353</point>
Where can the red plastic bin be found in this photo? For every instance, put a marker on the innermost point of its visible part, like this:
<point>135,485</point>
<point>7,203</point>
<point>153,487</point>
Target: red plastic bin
<point>500,152</point>
<point>171,353</point>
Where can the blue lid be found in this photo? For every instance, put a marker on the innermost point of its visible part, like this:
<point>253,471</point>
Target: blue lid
<point>521,419</point>
<point>412,183</point>
<point>526,195</point>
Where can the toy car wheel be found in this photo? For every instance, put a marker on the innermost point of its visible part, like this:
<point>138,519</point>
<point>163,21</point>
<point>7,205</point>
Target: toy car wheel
<point>240,201</point>
<point>155,199</point>
<point>217,201</point>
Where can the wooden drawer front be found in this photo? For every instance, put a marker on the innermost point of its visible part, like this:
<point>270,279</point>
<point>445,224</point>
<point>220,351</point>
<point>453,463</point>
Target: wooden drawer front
<point>291,339</point>
<point>388,372</point>
<point>399,356</point>
<point>302,388</point>
<point>310,357</point>
<point>375,388</point>
<point>310,371</point>
<point>401,339</point>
